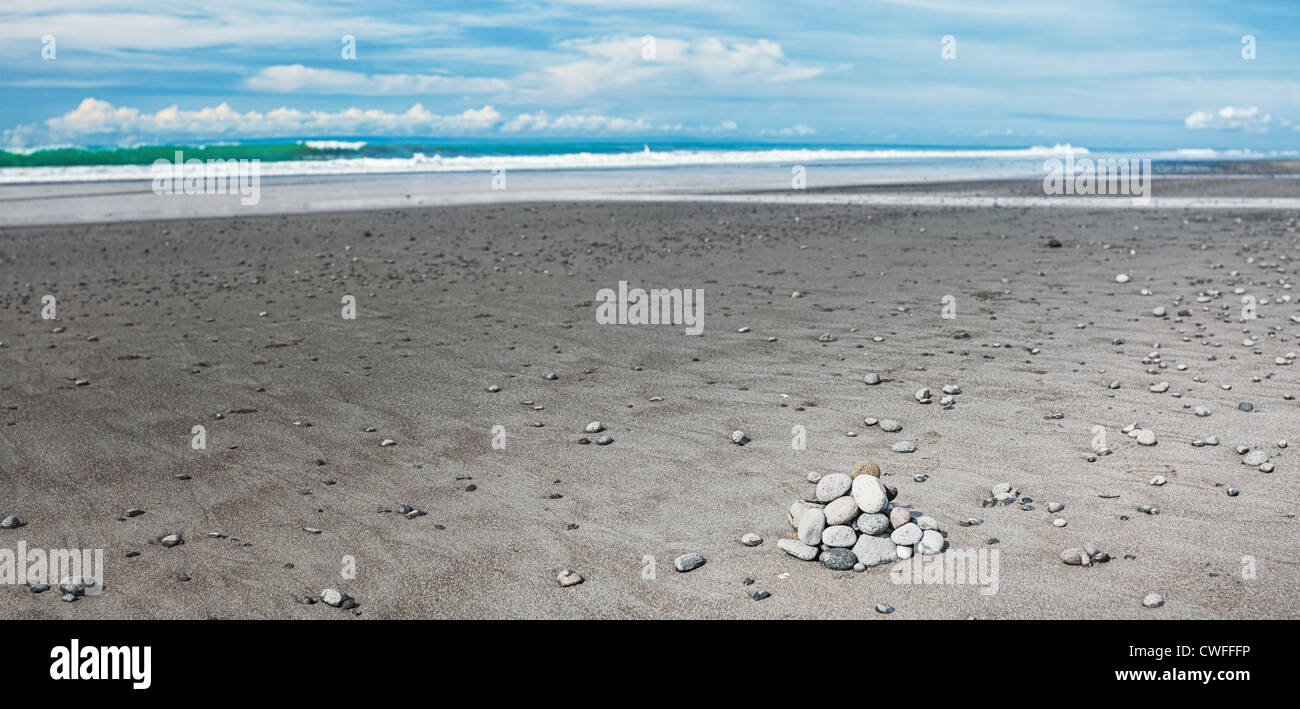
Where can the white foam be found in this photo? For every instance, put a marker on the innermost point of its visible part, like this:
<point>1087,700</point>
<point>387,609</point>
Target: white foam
<point>420,162</point>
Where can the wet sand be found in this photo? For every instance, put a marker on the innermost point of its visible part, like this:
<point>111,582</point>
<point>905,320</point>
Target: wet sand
<point>235,324</point>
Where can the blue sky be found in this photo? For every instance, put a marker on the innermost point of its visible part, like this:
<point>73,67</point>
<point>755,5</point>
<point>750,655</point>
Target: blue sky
<point>1098,74</point>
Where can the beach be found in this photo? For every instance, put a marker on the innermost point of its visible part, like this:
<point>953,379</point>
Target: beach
<point>236,324</point>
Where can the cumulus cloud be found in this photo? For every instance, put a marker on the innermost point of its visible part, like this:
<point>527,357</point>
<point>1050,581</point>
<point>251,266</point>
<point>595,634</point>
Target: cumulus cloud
<point>95,120</point>
<point>795,130</point>
<point>296,78</point>
<point>542,122</point>
<point>622,62</point>
<point>1230,118</point>
<point>94,117</point>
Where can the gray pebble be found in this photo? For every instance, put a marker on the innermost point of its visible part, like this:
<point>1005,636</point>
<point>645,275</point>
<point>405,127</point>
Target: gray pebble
<point>688,562</point>
<point>838,559</point>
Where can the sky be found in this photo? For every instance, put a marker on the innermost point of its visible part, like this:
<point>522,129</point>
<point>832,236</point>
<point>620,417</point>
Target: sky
<point>899,72</point>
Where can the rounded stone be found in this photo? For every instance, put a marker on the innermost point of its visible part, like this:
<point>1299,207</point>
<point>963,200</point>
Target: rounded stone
<point>839,535</point>
<point>796,512</point>
<point>1153,600</point>
<point>899,516</point>
<point>871,523</point>
<point>865,467</point>
<point>926,522</point>
<point>1146,437</point>
<point>797,549</point>
<point>903,447</point>
<point>841,510</point>
<point>811,526</point>
<point>931,542</point>
<point>874,551</point>
<point>890,426</point>
<point>1073,557</point>
<point>832,486</point>
<point>903,552</point>
<point>869,494</point>
<point>906,535</point>
<point>751,540</point>
<point>838,559</point>
<point>333,597</point>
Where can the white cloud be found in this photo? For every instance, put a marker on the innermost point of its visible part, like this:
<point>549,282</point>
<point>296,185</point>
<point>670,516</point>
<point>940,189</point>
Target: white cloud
<point>290,78</point>
<point>99,118</point>
<point>541,121</point>
<point>1230,118</point>
<point>795,130</point>
<point>618,62</point>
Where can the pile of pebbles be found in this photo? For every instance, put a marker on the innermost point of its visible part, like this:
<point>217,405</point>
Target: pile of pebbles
<point>849,521</point>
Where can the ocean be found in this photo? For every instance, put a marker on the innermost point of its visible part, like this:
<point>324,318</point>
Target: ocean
<point>362,156</point>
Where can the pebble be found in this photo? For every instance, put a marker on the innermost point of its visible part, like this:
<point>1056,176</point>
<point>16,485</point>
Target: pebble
<point>811,526</point>
<point>1153,600</point>
<point>874,551</point>
<point>1146,437</point>
<point>1059,522</point>
<point>10,522</point>
<point>739,438</point>
<point>926,522</point>
<point>1122,278</point>
<point>171,540</point>
<point>334,597</point>
<point>387,442</point>
<point>568,577</point>
<point>1266,467</point>
<point>871,523</point>
<point>797,549</point>
<point>1159,480</point>
<point>40,587</point>
<point>906,535</point>
<point>1055,507</point>
<point>872,378</point>
<point>903,447</point>
<point>890,426</point>
<point>1073,557</point>
<point>1160,388</point>
<point>761,595</point>
<point>1233,492</point>
<point>688,562</point>
<point>931,542</point>
<point>865,467</point>
<point>899,516</point>
<point>838,559</point>
<point>884,608</point>
<point>839,535</point>
<point>796,512</point>
<point>923,396</point>
<point>833,486</point>
<point>841,510</point>
<point>751,540</point>
<point>493,388</point>
<point>1255,458</point>
<point>604,440</point>
<point>903,552</point>
<point>869,494</point>
<point>595,427</point>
